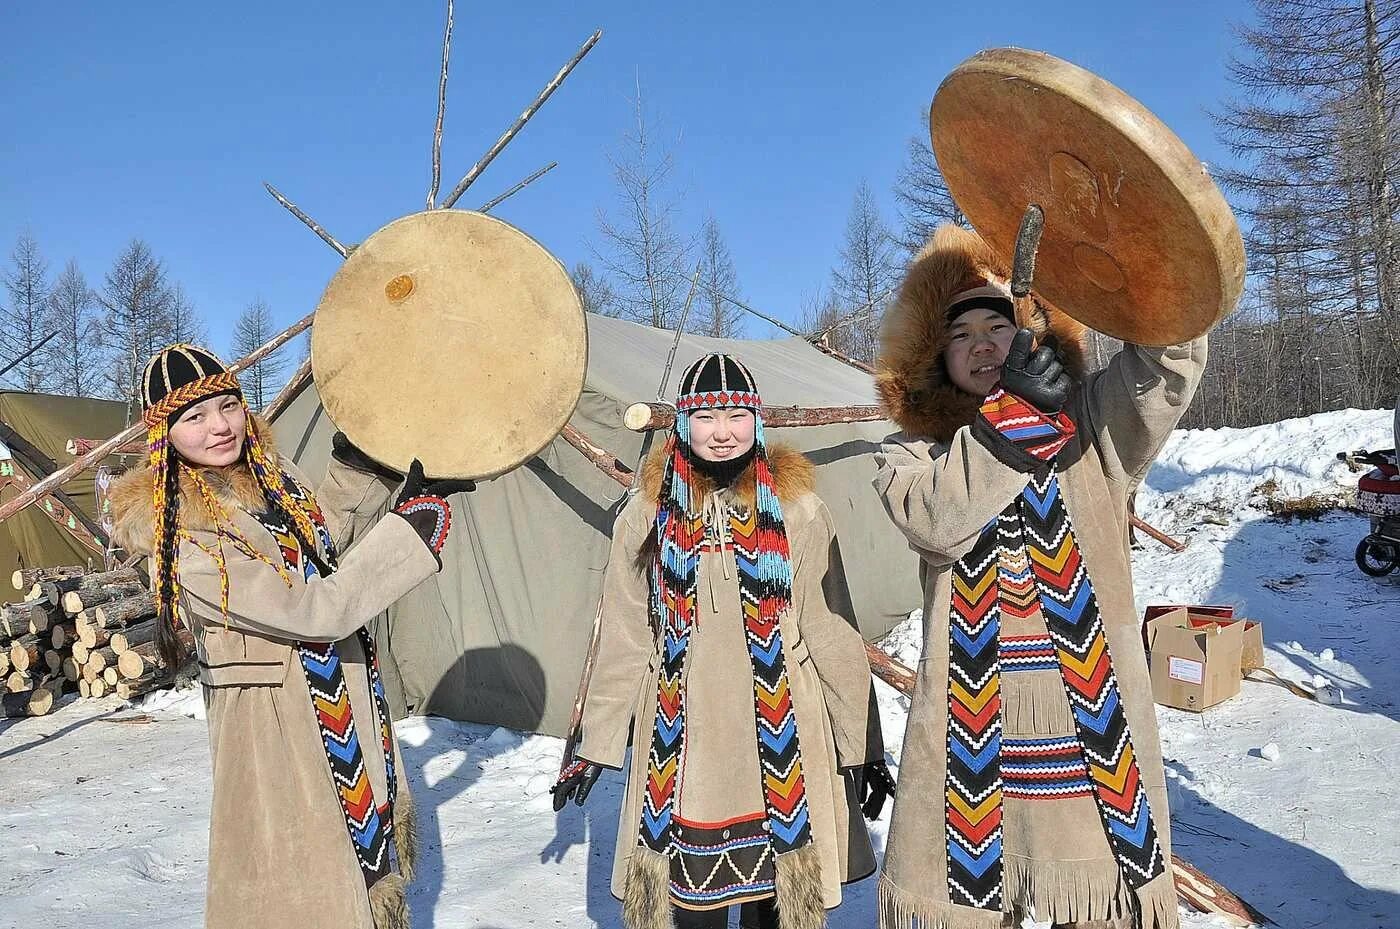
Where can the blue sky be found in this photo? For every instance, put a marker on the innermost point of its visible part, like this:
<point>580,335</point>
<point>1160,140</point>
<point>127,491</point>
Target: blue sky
<point>161,120</point>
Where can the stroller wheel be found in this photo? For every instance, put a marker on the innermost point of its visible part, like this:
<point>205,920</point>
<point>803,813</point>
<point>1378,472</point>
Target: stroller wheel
<point>1375,557</point>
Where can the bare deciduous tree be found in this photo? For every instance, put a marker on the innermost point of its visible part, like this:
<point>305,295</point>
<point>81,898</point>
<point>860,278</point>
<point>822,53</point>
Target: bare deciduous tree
<point>643,254</point>
<point>76,358</point>
<point>923,197</point>
<point>594,291</point>
<point>718,318</point>
<point>868,270</point>
<point>1316,129</point>
<point>253,328</point>
<point>25,319</point>
<point>136,301</point>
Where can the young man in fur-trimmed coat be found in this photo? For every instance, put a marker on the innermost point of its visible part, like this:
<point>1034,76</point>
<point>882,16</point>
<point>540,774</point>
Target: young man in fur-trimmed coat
<point>1031,777</point>
<point>728,654</point>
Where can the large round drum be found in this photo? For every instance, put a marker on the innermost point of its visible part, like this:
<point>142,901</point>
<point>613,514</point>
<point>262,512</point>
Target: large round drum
<point>452,337</point>
<point>1139,243</point>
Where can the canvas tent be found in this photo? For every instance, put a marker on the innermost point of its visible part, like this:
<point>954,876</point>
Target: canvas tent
<point>45,422</point>
<point>500,635</point>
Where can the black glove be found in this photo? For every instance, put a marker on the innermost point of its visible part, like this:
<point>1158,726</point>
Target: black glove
<point>576,780</point>
<point>424,504</point>
<point>349,454</point>
<point>1040,379</point>
<point>874,785</point>
<point>415,485</point>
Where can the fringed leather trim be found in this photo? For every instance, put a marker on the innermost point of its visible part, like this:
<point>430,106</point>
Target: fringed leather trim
<point>1157,903</point>
<point>1067,891</point>
<point>1034,703</point>
<point>902,910</point>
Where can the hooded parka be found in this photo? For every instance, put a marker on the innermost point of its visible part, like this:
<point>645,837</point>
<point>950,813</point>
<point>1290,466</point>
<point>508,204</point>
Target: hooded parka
<point>946,485</point>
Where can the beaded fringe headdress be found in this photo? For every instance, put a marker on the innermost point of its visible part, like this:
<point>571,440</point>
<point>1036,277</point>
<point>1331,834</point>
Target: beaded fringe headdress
<point>175,378</point>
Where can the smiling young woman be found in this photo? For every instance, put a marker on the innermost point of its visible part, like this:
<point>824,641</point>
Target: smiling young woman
<point>728,649</point>
<point>310,823</point>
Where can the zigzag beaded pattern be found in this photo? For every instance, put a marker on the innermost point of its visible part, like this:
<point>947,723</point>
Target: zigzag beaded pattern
<point>673,593</point>
<point>1072,617</point>
<point>370,827</point>
<point>765,590</point>
<point>1041,769</point>
<point>218,383</point>
<point>1039,434</point>
<point>722,863</point>
<point>1027,653</point>
<point>973,795</point>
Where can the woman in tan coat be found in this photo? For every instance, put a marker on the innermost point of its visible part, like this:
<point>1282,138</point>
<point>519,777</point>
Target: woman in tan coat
<point>728,652</point>
<point>311,821</point>
<point>1031,779</point>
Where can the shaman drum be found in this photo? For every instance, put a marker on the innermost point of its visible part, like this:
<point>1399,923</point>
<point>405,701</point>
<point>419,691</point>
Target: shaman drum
<point>1139,243</point>
<point>452,337</point>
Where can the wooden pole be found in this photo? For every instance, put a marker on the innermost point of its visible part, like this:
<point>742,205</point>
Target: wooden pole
<point>520,122</point>
<point>441,109</point>
<point>310,223</point>
<point>289,391</point>
<point>93,457</point>
<point>647,416</point>
<point>822,346</point>
<point>491,204</point>
<point>602,459</point>
<point>821,334</point>
<point>1157,534</point>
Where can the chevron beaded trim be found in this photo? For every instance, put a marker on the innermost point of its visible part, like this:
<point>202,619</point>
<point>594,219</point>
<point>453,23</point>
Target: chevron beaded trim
<point>1040,435</point>
<point>370,826</point>
<point>1072,616</point>
<point>1026,559</point>
<point>219,383</point>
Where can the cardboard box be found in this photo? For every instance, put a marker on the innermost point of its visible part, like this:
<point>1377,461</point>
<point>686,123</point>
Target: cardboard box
<point>1251,637</point>
<point>1197,616</point>
<point>1193,668</point>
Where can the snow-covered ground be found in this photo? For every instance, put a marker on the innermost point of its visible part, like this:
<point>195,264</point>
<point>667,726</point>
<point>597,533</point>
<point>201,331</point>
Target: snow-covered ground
<point>103,822</point>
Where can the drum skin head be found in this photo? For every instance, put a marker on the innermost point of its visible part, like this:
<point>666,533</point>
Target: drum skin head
<point>452,337</point>
<point>1139,243</point>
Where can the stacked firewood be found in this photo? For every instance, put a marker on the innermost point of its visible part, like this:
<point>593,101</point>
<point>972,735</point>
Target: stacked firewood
<point>77,629</point>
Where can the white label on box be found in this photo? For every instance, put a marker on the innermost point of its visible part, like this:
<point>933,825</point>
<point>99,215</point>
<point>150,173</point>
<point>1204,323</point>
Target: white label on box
<point>1184,669</point>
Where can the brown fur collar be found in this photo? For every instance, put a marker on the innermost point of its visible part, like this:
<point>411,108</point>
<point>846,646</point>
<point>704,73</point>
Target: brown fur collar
<point>793,475</point>
<point>133,502</point>
<point>909,375</point>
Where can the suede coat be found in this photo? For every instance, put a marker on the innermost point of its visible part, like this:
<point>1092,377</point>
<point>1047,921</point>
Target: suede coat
<point>720,776</point>
<point>942,483</point>
<point>280,856</point>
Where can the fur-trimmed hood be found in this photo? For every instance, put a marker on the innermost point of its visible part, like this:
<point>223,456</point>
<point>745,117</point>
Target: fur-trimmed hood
<point>909,372</point>
<point>132,497</point>
<point>793,475</point>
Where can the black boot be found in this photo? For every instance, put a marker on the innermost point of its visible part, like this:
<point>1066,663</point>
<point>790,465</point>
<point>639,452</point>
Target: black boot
<point>760,915</point>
